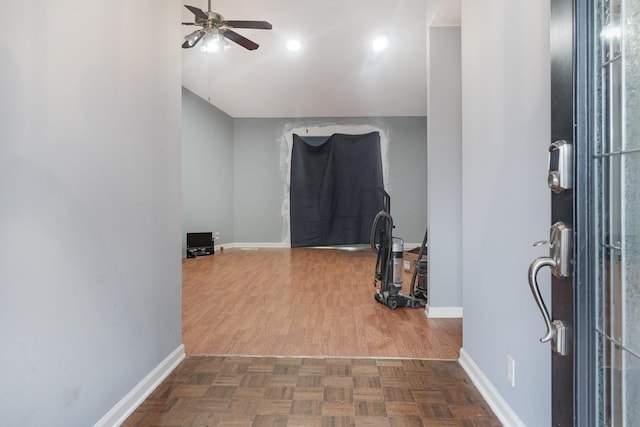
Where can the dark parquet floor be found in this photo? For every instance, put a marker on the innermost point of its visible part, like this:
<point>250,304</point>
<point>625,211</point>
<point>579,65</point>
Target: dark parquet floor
<point>298,391</point>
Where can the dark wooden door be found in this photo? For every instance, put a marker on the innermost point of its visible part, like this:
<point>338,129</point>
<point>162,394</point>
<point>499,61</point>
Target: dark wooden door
<point>563,97</point>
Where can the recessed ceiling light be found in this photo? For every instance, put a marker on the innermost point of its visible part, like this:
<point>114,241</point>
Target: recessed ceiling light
<point>380,43</point>
<point>294,45</point>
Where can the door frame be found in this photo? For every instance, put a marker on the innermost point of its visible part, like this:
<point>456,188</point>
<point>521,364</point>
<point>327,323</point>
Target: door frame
<point>584,381</point>
<point>583,368</point>
<point>564,63</point>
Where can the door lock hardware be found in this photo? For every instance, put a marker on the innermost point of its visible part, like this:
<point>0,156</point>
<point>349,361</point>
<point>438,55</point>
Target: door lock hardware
<point>559,260</point>
<point>561,336</point>
<point>560,176</point>
<point>560,249</point>
<point>536,265</point>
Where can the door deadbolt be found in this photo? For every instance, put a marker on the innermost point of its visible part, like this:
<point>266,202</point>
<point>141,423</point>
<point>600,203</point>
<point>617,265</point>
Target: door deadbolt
<point>560,166</point>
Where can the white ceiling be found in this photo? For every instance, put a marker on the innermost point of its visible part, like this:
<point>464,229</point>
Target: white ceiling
<point>448,14</point>
<point>334,75</point>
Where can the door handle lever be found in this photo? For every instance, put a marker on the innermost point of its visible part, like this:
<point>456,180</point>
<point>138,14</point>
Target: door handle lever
<point>536,265</point>
<point>559,260</point>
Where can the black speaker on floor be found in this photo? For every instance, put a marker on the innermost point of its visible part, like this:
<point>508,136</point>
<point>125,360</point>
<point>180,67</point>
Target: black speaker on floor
<point>200,244</point>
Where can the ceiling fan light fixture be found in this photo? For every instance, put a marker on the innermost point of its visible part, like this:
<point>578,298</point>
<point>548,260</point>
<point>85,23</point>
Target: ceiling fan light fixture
<point>214,42</point>
<point>207,43</point>
<point>193,38</point>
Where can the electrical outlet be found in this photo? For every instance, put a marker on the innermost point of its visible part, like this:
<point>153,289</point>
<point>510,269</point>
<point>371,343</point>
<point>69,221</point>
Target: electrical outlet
<point>511,371</point>
<point>216,235</point>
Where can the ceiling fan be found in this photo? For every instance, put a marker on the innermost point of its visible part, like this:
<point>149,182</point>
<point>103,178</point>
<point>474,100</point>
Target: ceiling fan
<point>215,30</point>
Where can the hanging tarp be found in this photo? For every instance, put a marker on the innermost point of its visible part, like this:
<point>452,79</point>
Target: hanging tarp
<point>334,195</point>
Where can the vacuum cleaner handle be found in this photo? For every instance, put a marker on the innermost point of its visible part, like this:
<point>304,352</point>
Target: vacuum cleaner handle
<point>386,204</point>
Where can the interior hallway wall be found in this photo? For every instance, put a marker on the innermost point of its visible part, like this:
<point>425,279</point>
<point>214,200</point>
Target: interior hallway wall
<point>506,202</point>
<point>260,173</point>
<point>445,172</point>
<point>235,171</point>
<point>207,172</point>
<point>90,273</point>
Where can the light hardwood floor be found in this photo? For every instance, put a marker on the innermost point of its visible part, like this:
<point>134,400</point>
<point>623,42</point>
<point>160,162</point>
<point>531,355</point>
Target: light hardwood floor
<point>308,302</point>
<point>302,302</point>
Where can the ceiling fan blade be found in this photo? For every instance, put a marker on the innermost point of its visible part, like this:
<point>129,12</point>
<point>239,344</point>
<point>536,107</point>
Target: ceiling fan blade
<point>189,23</point>
<point>197,12</point>
<point>242,41</point>
<point>260,25</point>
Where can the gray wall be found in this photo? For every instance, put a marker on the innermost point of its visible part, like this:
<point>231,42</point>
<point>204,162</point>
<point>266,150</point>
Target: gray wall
<point>207,172</point>
<point>90,294</point>
<point>445,168</point>
<point>506,203</point>
<point>235,172</point>
<point>258,181</point>
<point>259,173</point>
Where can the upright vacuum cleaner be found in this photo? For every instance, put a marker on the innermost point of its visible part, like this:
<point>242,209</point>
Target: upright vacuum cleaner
<point>389,268</point>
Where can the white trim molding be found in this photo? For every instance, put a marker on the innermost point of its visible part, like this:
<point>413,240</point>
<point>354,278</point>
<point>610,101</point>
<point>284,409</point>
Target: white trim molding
<point>443,312</point>
<point>125,407</point>
<point>411,246</point>
<point>287,245</point>
<point>500,407</point>
<point>255,245</point>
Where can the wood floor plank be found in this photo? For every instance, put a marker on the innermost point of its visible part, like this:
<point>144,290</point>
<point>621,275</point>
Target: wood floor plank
<point>302,302</point>
<point>335,394</point>
<point>368,365</point>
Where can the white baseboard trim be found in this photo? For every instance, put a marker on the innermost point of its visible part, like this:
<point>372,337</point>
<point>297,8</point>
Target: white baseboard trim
<point>411,246</point>
<point>500,407</point>
<point>443,312</point>
<point>125,407</point>
<point>252,245</point>
<point>257,245</point>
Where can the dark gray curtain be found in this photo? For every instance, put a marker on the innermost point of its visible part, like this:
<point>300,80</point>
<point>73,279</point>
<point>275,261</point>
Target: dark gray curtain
<point>334,196</point>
